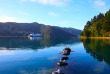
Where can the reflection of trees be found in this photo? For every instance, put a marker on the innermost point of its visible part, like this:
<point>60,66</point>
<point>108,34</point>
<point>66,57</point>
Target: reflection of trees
<point>46,42</point>
<point>98,48</point>
<point>20,42</point>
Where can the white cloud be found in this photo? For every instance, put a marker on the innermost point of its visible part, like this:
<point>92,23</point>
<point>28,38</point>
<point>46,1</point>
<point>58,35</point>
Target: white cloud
<point>49,2</point>
<point>11,19</point>
<point>33,0</point>
<point>99,3</point>
<point>43,1</point>
<point>103,9</point>
<point>7,19</point>
<point>101,6</point>
<point>24,0</point>
<point>56,2</point>
<point>53,14</point>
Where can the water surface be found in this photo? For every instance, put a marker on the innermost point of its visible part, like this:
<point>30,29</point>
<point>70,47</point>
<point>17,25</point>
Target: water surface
<point>20,55</point>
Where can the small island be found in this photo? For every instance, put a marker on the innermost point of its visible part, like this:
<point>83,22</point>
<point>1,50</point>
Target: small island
<point>97,27</point>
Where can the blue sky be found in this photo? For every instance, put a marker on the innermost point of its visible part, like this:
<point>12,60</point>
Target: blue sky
<point>63,13</point>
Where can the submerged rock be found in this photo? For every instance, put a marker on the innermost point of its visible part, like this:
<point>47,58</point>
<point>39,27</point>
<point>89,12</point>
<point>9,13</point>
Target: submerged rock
<point>62,63</point>
<point>64,58</point>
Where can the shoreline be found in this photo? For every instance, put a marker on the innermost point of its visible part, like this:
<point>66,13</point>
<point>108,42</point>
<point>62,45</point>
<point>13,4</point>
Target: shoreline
<point>84,37</point>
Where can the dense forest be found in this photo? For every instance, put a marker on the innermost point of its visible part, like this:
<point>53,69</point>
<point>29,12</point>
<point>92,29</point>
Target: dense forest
<point>23,29</point>
<point>98,26</point>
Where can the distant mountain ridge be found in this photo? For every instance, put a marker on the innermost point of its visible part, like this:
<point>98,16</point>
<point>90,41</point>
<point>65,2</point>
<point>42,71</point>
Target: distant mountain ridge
<point>23,29</point>
<point>73,31</point>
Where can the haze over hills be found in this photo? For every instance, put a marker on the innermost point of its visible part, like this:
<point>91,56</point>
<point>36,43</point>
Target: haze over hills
<point>23,29</point>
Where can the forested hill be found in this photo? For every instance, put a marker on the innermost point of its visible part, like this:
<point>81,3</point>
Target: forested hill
<point>76,32</point>
<point>99,26</point>
<point>23,29</point>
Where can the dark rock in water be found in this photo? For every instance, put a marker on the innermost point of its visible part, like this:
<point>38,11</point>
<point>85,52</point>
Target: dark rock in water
<point>67,49</point>
<point>64,58</point>
<point>66,52</point>
<point>62,63</point>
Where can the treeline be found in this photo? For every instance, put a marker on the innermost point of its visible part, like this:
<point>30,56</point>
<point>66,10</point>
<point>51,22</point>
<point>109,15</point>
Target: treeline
<point>98,26</point>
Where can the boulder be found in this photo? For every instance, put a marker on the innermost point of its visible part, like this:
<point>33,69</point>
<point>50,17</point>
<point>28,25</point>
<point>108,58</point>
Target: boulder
<point>66,52</point>
<point>67,49</point>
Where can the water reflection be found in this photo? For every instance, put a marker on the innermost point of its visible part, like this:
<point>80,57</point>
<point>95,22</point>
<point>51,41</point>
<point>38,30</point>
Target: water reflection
<point>33,43</point>
<point>98,48</point>
<point>18,53</point>
<point>63,61</point>
<point>35,38</point>
<point>25,56</point>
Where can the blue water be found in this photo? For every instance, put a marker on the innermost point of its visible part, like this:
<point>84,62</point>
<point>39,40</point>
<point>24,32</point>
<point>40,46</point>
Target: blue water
<point>20,55</point>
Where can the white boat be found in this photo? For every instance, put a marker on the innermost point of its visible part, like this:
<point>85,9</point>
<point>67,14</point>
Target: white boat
<point>35,38</point>
<point>35,35</point>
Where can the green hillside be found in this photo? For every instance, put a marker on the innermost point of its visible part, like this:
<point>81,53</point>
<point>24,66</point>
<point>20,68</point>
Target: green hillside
<point>98,26</point>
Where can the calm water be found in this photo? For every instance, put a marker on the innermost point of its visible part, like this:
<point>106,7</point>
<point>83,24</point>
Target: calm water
<point>39,56</point>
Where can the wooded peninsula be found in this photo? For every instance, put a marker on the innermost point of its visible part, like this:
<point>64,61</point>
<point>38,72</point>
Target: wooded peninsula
<point>97,27</point>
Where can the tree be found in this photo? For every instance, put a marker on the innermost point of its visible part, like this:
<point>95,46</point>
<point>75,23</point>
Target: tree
<point>98,25</point>
<point>106,23</point>
<point>94,19</point>
<point>100,16</point>
<point>88,24</point>
<point>87,32</point>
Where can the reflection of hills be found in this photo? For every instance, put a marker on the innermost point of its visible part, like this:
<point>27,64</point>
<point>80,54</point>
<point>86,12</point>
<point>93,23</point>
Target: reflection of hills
<point>20,42</point>
<point>98,48</point>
